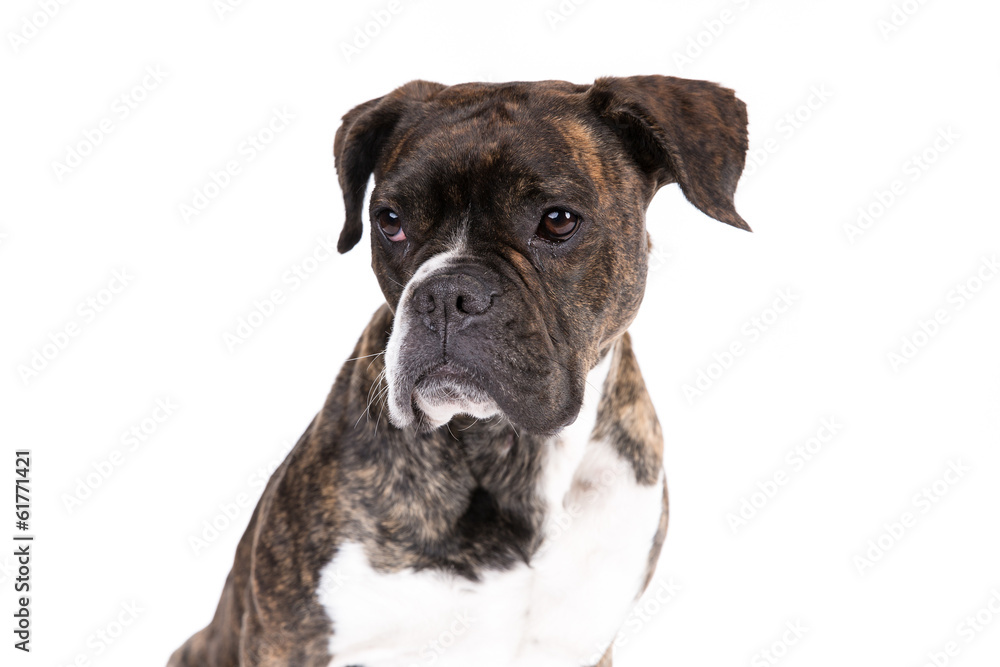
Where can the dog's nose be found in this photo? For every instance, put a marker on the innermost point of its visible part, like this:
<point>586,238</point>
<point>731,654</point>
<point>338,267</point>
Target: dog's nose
<point>452,299</point>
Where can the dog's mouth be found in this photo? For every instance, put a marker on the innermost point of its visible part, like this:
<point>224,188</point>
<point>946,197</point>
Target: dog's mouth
<point>445,390</point>
<point>446,377</point>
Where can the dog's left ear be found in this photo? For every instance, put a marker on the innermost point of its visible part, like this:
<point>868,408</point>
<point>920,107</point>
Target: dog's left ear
<point>680,130</point>
<point>358,145</point>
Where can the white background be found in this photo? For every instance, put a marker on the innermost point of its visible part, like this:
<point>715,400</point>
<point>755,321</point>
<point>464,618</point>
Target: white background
<point>867,101</point>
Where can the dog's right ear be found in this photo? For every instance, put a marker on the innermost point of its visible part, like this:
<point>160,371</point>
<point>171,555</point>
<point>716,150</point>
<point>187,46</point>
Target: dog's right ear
<point>358,145</point>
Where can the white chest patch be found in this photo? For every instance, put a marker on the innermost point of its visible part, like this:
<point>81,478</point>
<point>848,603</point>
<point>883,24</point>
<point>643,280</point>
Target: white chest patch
<point>557,612</point>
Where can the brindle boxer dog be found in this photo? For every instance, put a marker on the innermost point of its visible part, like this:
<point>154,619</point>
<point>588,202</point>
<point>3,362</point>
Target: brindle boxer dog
<point>484,484</point>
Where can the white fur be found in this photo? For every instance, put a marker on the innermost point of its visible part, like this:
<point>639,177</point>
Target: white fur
<point>559,612</point>
<point>439,412</point>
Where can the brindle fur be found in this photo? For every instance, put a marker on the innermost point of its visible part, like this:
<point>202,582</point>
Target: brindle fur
<point>470,160</point>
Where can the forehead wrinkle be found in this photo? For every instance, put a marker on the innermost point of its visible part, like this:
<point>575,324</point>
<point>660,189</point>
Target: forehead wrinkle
<point>495,168</point>
<point>393,157</point>
<point>584,149</point>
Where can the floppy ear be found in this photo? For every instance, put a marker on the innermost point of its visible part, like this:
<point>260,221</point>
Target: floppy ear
<point>679,130</point>
<point>358,145</point>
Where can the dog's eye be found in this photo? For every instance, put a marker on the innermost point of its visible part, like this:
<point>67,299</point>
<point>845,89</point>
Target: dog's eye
<point>558,224</point>
<point>391,225</point>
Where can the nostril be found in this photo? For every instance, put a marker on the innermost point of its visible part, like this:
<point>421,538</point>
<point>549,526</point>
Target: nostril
<point>425,302</point>
<point>473,304</point>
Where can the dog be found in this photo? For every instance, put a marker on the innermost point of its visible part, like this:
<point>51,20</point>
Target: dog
<point>484,484</point>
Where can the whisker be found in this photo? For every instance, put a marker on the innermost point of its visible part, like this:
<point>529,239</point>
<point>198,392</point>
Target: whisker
<point>364,356</point>
<point>376,356</point>
<point>371,399</point>
<point>512,427</point>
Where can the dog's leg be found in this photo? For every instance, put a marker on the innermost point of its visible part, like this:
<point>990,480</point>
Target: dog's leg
<point>217,644</point>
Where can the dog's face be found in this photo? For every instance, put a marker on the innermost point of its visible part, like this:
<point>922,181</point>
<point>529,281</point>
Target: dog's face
<point>508,233</point>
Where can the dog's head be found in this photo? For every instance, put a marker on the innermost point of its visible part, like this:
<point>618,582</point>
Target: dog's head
<point>508,231</point>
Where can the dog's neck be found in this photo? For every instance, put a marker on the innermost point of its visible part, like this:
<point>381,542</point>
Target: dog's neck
<point>474,492</point>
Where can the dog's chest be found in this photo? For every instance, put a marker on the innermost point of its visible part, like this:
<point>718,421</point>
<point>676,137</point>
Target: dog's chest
<point>556,612</point>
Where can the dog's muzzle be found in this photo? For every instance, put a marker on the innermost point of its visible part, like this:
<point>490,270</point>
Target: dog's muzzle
<point>437,359</point>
